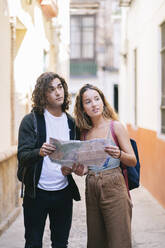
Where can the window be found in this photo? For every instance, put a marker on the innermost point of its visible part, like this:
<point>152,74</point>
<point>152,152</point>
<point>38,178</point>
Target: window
<point>163,78</point>
<point>83,57</point>
<point>82,37</point>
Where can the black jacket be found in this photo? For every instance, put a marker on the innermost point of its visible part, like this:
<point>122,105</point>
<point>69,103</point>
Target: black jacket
<point>32,134</point>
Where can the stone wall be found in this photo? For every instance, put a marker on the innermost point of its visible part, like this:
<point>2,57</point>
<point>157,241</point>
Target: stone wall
<point>9,188</point>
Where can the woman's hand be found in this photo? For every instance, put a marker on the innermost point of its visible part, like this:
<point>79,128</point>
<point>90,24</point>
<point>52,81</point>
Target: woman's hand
<point>46,149</point>
<point>113,151</point>
<point>66,170</point>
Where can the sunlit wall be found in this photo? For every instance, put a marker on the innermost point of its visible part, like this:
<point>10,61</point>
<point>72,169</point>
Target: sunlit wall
<point>4,77</point>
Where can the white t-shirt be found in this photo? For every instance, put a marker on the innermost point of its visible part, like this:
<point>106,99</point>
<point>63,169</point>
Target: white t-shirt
<point>51,176</point>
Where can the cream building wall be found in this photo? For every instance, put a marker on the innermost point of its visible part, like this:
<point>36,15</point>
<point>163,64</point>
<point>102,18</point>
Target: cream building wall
<point>142,32</point>
<point>30,44</point>
<point>41,44</point>
<point>5,78</point>
<point>29,57</point>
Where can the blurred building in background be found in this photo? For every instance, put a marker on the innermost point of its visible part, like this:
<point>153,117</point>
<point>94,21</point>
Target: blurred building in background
<point>117,45</point>
<point>95,44</point>
<point>34,39</point>
<point>142,86</point>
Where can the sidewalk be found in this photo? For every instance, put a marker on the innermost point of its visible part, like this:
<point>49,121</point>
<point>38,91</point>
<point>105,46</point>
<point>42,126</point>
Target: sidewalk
<point>148,224</point>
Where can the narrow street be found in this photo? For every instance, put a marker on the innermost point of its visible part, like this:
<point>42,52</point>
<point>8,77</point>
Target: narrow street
<point>148,224</point>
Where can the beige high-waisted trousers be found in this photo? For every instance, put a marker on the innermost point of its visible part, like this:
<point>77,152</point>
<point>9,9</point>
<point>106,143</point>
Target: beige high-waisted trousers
<point>109,210</point>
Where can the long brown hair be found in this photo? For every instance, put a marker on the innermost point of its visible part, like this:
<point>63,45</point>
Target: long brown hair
<point>83,121</point>
<point>41,88</point>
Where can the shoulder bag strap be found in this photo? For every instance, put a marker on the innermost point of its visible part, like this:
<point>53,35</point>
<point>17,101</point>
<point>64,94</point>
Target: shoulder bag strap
<point>124,168</point>
<point>113,132</point>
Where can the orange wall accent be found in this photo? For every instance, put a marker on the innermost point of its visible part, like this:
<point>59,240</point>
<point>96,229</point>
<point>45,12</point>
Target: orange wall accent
<point>152,158</point>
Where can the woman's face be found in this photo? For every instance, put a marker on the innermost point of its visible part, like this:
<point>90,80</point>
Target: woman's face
<point>92,103</point>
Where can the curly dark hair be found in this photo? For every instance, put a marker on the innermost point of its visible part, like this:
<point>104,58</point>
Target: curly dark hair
<point>41,88</point>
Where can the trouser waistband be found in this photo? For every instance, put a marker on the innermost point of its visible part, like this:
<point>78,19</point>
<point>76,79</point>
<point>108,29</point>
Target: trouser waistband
<point>104,172</point>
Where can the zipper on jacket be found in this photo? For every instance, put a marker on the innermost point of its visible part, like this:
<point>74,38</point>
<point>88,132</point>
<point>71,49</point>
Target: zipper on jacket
<point>22,185</point>
<point>22,190</point>
<point>34,181</point>
<point>36,132</point>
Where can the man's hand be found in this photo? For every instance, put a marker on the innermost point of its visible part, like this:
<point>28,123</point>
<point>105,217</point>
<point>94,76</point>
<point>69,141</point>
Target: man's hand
<point>79,169</point>
<point>46,149</point>
<point>66,170</point>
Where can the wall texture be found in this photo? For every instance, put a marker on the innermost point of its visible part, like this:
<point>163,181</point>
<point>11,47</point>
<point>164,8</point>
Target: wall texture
<point>9,189</point>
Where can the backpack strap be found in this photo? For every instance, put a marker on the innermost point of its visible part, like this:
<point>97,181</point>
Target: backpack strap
<point>113,132</point>
<point>123,167</point>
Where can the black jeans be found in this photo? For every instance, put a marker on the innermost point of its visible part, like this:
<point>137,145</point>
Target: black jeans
<point>56,204</point>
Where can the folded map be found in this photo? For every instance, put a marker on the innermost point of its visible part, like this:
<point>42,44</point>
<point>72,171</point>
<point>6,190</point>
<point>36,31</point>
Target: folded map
<point>88,153</point>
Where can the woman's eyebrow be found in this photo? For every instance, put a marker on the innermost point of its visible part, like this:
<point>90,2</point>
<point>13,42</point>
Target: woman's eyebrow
<point>86,99</point>
<point>51,87</point>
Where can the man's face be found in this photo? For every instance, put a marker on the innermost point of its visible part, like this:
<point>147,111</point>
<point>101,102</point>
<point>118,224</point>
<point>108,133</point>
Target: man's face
<point>55,94</point>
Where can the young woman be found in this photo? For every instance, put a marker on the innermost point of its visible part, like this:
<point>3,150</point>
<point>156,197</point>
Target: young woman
<point>109,207</point>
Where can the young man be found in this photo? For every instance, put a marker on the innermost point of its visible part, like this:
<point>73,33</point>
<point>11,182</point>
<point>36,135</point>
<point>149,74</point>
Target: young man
<point>47,191</point>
